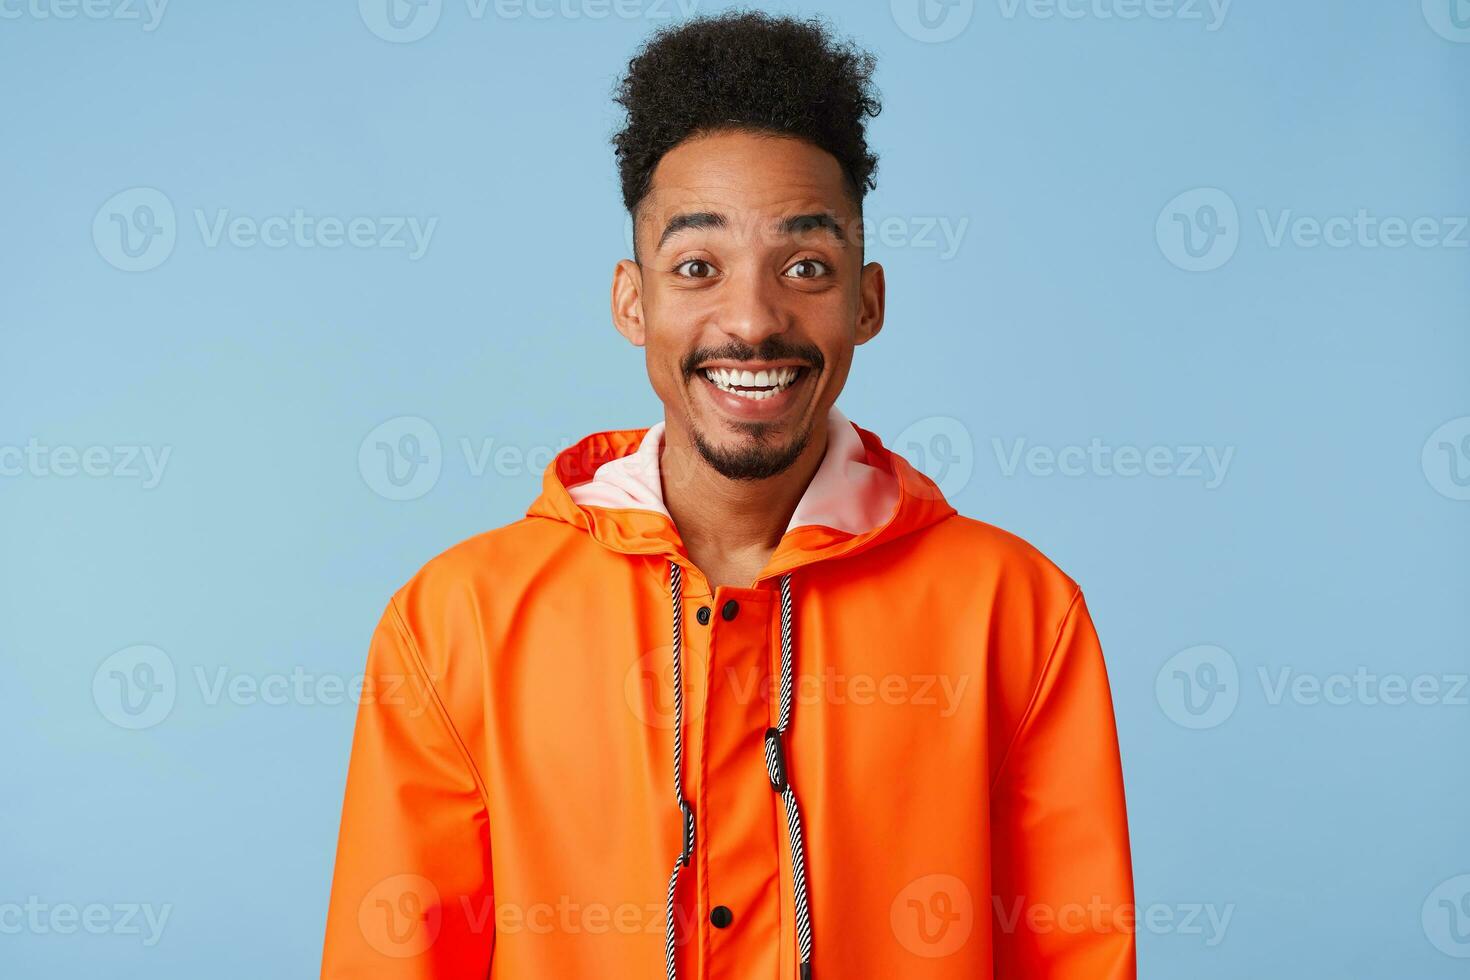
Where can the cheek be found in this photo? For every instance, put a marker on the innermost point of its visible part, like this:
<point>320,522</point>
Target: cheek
<point>663,354</point>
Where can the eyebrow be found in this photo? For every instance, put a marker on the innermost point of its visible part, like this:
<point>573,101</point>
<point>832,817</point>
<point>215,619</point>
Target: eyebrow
<point>797,224</point>
<point>690,219</point>
<point>794,225</point>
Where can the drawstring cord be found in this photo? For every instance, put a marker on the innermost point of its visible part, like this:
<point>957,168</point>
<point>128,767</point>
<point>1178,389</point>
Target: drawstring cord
<point>776,769</point>
<point>775,751</point>
<point>676,589</point>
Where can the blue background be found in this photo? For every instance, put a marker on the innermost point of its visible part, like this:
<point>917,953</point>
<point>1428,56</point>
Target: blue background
<point>1333,542</point>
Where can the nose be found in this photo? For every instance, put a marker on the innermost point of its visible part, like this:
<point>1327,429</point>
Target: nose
<point>751,307</point>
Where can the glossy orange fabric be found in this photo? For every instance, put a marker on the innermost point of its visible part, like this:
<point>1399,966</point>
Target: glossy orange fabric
<point>510,809</point>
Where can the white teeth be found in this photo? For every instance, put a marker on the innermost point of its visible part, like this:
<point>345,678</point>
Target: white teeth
<point>773,381</point>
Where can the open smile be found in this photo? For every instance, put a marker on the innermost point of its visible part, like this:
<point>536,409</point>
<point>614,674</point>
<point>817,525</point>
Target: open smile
<point>754,395</point>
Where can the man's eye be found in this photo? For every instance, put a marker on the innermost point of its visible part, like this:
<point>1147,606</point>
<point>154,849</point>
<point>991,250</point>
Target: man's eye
<point>808,269</point>
<point>695,269</point>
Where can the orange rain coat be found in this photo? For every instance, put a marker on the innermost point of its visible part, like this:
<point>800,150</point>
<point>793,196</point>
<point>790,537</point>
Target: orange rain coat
<point>511,810</point>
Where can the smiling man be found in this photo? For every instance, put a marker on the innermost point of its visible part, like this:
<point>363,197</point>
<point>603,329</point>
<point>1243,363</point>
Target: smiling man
<point>741,696</point>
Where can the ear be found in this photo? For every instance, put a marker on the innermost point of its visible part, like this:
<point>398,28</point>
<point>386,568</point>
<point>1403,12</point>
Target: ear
<point>871,298</point>
<point>627,302</point>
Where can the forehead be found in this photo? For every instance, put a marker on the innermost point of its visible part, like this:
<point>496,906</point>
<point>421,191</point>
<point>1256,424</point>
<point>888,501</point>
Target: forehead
<point>743,174</point>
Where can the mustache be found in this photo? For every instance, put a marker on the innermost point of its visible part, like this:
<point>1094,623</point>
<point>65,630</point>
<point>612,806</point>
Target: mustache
<point>770,349</point>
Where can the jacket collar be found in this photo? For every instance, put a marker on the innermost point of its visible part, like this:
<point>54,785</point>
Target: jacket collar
<point>609,484</point>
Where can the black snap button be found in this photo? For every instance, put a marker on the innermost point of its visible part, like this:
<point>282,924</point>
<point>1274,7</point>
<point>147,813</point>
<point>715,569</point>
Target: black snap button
<point>729,609</point>
<point>703,615</point>
<point>720,916</point>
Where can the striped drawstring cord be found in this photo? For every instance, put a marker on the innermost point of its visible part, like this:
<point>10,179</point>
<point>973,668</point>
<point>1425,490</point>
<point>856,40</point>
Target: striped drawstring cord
<point>686,812</point>
<point>775,751</point>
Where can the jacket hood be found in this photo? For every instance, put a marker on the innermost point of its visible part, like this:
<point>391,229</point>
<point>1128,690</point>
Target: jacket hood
<point>609,484</point>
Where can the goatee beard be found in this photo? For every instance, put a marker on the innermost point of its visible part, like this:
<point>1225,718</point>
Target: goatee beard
<point>754,460</point>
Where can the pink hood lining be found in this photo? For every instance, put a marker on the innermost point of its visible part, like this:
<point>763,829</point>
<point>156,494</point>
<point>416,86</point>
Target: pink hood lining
<point>846,493</point>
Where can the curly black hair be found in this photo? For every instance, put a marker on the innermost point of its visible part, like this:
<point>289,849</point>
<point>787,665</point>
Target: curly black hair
<point>746,70</point>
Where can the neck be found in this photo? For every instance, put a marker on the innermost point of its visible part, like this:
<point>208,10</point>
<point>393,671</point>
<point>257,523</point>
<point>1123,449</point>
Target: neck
<point>730,528</point>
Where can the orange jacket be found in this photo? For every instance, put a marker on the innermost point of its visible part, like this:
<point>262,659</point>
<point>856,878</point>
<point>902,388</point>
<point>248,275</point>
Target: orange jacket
<point>934,792</point>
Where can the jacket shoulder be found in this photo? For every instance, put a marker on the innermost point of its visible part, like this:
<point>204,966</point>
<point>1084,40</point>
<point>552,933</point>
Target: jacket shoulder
<point>1000,557</point>
<point>447,603</point>
<point>496,552</point>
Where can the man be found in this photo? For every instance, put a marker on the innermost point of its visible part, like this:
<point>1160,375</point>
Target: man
<point>741,696</point>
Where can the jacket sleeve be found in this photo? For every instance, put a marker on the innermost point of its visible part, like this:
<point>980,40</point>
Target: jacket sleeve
<point>1062,874</point>
<point>410,896</point>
